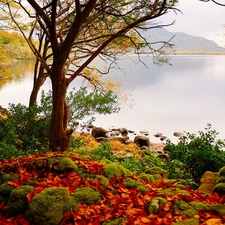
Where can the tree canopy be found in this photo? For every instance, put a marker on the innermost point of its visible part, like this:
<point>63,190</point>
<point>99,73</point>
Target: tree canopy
<point>76,32</point>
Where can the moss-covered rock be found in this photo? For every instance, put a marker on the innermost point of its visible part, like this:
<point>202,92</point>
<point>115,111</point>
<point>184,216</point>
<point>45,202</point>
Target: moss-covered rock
<point>173,191</point>
<point>131,183</point>
<point>199,206</point>
<point>8,177</point>
<point>117,221</point>
<point>157,170</point>
<point>220,188</point>
<point>115,170</point>
<point>218,209</point>
<point>49,206</point>
<point>103,180</point>
<point>208,182</point>
<point>153,206</point>
<point>222,172</point>
<point>191,221</point>
<point>149,177</point>
<point>86,195</point>
<point>18,200</point>
<point>5,189</point>
<point>220,180</point>
<point>66,164</point>
<point>189,212</point>
<point>180,204</point>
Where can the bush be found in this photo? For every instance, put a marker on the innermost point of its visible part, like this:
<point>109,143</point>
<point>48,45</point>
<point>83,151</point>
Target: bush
<point>198,153</point>
<point>23,130</point>
<point>26,129</point>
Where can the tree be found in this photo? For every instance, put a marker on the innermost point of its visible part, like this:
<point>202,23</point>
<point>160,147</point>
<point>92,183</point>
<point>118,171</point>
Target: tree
<point>218,3</point>
<point>78,31</point>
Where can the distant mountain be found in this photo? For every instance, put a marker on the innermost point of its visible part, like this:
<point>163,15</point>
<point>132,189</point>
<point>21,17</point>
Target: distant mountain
<point>184,43</point>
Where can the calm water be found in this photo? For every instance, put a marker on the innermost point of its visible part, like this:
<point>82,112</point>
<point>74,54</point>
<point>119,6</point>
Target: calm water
<point>182,97</point>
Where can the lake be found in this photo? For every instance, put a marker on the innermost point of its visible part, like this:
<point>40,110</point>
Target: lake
<point>182,97</point>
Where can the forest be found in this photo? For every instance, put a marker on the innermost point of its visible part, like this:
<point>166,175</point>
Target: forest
<point>13,47</point>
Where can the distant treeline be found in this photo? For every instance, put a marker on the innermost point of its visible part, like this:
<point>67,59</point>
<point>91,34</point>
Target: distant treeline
<point>13,47</point>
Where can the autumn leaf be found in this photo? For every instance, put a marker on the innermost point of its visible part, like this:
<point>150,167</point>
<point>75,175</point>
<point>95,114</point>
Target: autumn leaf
<point>29,197</point>
<point>213,222</point>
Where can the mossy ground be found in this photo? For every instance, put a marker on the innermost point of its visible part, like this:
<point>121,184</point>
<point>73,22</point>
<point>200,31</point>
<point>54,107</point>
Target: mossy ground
<point>66,188</point>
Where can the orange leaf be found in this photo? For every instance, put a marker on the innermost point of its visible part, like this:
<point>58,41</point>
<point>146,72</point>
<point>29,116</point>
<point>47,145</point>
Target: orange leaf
<point>213,222</point>
<point>12,183</point>
<point>145,220</point>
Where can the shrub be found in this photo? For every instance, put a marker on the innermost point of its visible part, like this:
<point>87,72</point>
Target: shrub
<point>197,153</point>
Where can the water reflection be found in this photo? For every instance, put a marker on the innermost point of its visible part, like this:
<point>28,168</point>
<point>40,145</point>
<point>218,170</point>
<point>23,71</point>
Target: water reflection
<point>16,73</point>
<point>182,97</point>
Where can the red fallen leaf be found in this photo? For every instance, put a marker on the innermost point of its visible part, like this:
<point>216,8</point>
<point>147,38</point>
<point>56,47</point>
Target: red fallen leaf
<point>2,205</point>
<point>50,176</point>
<point>13,183</point>
<point>30,197</point>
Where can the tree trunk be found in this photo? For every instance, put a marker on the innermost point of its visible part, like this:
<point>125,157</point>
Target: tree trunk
<point>38,82</point>
<point>59,134</point>
<point>36,88</point>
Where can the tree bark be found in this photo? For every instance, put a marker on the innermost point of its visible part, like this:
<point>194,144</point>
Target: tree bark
<point>59,134</point>
<point>36,88</point>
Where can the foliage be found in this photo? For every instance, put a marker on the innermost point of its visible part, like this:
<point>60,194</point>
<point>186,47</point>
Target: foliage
<point>26,129</point>
<point>83,103</point>
<point>125,200</point>
<point>196,154</point>
<point>23,132</point>
<point>13,47</point>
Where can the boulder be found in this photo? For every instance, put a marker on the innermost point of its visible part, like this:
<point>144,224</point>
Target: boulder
<point>158,135</point>
<point>99,132</point>
<point>142,141</point>
<point>178,134</point>
<point>208,182</point>
<point>124,132</point>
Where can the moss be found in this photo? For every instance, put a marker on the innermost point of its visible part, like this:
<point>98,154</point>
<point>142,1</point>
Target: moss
<point>149,177</point>
<point>117,221</point>
<point>4,199</point>
<point>220,180</point>
<point>66,164</point>
<point>181,205</point>
<point>105,161</point>
<point>153,206</point>
<point>8,177</point>
<point>157,170</point>
<point>31,182</point>
<point>18,200</point>
<point>222,172</point>
<point>86,195</point>
<point>157,177</point>
<point>115,170</point>
<point>131,183</point>
<point>178,182</point>
<point>189,212</point>
<point>199,206</point>
<point>49,206</point>
<point>173,191</point>
<point>218,209</point>
<point>103,180</point>
<point>5,189</point>
<point>191,221</point>
<point>85,175</point>
<point>219,188</point>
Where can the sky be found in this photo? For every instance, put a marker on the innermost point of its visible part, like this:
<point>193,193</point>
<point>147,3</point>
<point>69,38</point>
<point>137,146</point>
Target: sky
<point>204,19</point>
